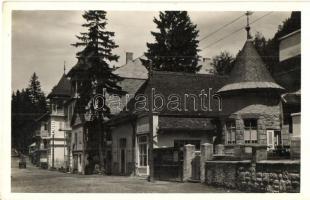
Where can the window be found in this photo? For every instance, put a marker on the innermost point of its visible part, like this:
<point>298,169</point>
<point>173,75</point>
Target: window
<point>61,125</point>
<point>143,148</point>
<point>45,126</point>
<point>250,131</point>
<point>75,140</point>
<point>231,132</point>
<point>122,143</point>
<point>81,134</point>
<point>181,143</point>
<point>54,107</point>
<point>109,136</point>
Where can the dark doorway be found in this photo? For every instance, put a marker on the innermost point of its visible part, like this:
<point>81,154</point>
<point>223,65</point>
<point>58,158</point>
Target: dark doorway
<point>123,156</point>
<point>122,144</point>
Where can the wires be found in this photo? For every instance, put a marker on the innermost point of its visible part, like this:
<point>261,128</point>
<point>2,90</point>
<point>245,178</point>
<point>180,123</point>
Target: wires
<point>234,32</point>
<point>225,25</point>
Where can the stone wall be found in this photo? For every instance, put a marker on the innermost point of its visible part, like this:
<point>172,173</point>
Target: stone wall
<point>263,176</point>
<point>265,107</point>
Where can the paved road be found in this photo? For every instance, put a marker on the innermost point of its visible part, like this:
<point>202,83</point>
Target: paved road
<point>33,179</point>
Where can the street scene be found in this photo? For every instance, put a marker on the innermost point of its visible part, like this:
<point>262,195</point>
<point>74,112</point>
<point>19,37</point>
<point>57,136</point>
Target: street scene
<point>181,102</point>
<point>33,180</point>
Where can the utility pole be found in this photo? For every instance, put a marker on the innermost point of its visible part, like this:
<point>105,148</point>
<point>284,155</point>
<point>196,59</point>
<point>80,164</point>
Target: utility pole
<point>151,134</point>
<point>53,142</point>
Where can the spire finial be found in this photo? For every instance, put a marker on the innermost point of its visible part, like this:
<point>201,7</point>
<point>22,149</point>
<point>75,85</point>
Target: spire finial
<point>247,28</point>
<point>64,67</point>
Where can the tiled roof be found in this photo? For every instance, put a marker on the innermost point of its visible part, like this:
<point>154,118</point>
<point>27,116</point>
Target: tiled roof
<point>292,97</point>
<point>179,84</point>
<point>249,72</point>
<point>130,86</point>
<point>133,69</point>
<point>180,123</point>
<point>63,88</point>
<point>81,65</point>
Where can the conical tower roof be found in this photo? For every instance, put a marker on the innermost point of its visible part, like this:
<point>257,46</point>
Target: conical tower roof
<point>249,72</point>
<point>62,89</point>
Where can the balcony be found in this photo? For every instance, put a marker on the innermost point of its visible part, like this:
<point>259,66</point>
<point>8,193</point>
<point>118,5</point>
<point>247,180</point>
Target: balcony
<point>58,112</point>
<point>43,134</point>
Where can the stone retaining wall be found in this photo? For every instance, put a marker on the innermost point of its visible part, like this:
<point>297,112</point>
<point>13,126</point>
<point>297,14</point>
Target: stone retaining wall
<point>263,176</point>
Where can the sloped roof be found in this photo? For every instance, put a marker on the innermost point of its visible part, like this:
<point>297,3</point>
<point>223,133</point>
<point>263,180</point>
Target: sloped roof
<point>130,86</point>
<point>133,69</point>
<point>168,84</point>
<point>81,65</point>
<point>180,123</point>
<point>63,88</point>
<point>292,97</point>
<point>249,72</point>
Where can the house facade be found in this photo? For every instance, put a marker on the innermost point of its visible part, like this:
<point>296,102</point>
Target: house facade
<point>50,136</point>
<point>248,109</point>
<point>242,112</point>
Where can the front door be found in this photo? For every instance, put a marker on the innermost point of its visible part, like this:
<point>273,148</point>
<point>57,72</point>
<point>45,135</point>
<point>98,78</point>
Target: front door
<point>270,139</point>
<point>123,156</point>
<point>122,144</point>
<point>75,163</point>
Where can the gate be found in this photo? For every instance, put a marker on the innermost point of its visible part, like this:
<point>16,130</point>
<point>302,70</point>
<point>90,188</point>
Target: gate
<point>196,167</point>
<point>168,164</point>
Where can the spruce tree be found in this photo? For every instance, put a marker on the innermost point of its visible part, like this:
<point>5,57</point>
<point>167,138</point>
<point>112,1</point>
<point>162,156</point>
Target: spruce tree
<point>97,45</point>
<point>36,95</point>
<point>27,105</point>
<point>176,44</point>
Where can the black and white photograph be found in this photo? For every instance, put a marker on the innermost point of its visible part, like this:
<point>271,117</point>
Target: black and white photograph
<point>165,101</point>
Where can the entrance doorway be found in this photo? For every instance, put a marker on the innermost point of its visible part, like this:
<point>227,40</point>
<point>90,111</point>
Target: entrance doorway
<point>122,144</point>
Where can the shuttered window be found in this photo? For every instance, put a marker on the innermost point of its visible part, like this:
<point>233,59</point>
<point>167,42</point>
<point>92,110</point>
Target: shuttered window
<point>143,149</point>
<point>231,132</point>
<point>250,131</point>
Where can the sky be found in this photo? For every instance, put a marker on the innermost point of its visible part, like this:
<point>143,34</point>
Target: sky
<point>41,39</point>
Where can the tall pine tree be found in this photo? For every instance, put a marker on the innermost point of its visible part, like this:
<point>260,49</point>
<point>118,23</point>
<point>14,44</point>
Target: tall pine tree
<point>97,45</point>
<point>36,95</point>
<point>27,105</point>
<point>176,44</point>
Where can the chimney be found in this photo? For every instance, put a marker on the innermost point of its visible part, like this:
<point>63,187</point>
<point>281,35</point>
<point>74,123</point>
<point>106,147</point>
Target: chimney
<point>129,57</point>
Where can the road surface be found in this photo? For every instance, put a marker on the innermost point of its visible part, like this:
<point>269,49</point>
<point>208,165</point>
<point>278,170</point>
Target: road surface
<point>34,180</point>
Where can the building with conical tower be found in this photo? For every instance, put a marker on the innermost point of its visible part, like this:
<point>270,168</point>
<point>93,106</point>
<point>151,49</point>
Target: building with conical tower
<point>252,111</point>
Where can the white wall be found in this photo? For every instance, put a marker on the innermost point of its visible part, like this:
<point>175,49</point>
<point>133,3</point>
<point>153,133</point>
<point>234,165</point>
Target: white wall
<point>296,124</point>
<point>166,139</point>
<point>122,131</point>
<point>289,46</point>
<point>79,133</point>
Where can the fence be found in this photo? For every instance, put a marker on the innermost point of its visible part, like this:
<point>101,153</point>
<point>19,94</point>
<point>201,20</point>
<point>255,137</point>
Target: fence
<point>252,173</point>
<point>168,163</point>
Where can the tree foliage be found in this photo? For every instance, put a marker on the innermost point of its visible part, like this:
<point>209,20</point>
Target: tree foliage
<point>267,49</point>
<point>223,63</point>
<point>176,44</point>
<point>27,105</point>
<point>97,44</point>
